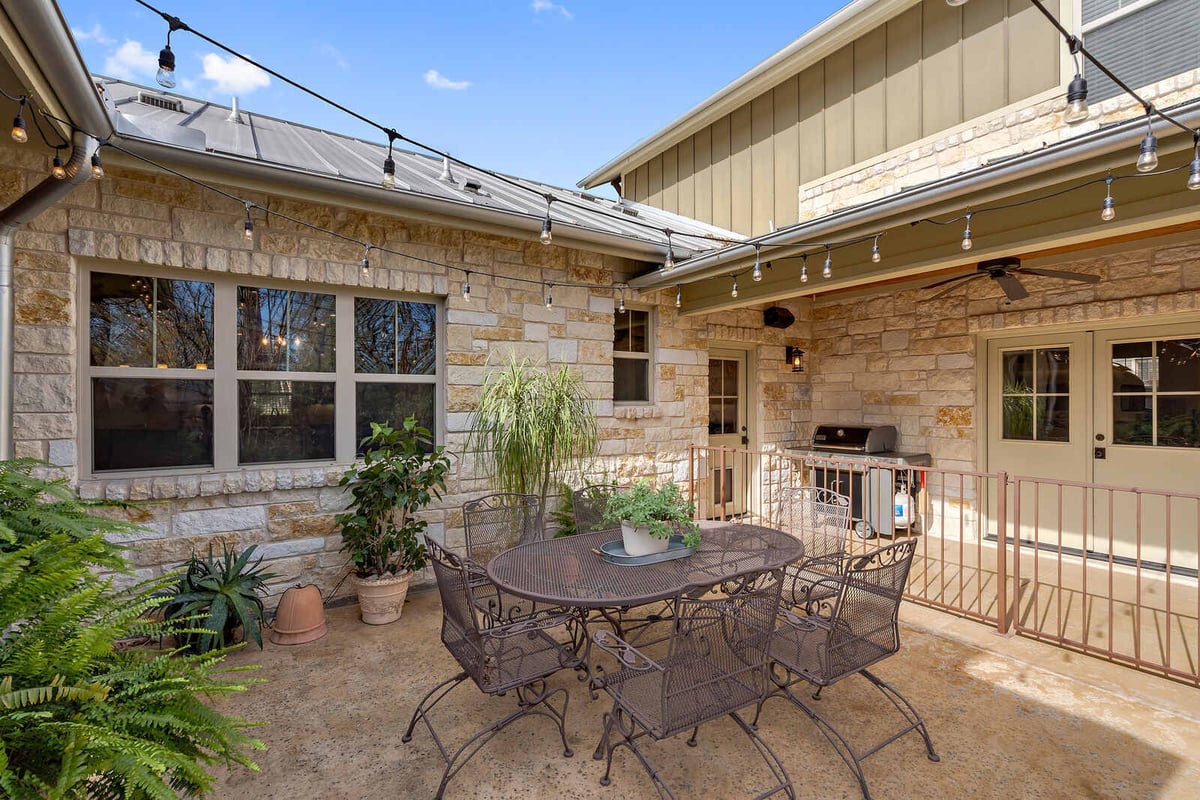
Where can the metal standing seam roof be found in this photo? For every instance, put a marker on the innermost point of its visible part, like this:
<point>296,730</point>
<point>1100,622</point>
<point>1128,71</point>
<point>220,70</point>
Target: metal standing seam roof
<point>289,144</point>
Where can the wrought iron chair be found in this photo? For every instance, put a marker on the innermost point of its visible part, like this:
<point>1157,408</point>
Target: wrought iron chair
<point>493,524</point>
<point>516,656</point>
<point>820,518</point>
<point>715,664</point>
<point>848,628</point>
<point>588,504</point>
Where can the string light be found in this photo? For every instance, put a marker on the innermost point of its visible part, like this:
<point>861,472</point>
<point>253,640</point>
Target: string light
<point>1109,210</point>
<point>166,59</point>
<point>756,274</point>
<point>734,292</point>
<point>679,295</point>
<point>366,260</point>
<point>1077,105</point>
<point>549,296</point>
<point>827,271</point>
<point>669,261</point>
<point>389,165</point>
<point>249,229</point>
<point>467,287</point>
<point>621,301</point>
<point>875,256</point>
<point>967,241</point>
<point>956,3</point>
<point>19,134</point>
<point>97,167</point>
<point>58,170</point>
<point>546,237</point>
<point>1148,154</point>
<point>1193,181</point>
<point>804,268</point>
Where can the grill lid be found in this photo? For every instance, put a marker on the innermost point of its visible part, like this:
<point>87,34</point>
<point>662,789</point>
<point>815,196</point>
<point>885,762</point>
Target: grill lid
<point>854,438</point>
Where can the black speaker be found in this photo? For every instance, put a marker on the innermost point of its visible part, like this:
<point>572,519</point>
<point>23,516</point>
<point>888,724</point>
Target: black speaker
<point>777,317</point>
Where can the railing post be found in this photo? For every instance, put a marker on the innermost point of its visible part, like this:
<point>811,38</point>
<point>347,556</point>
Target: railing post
<point>721,483</point>
<point>692,477</point>
<point>1002,620</point>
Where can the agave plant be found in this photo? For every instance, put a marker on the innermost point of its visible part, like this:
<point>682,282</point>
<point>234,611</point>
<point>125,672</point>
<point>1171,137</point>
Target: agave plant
<point>214,596</point>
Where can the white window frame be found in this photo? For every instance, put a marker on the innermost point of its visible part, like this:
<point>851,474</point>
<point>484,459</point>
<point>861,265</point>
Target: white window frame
<point>648,357</point>
<point>1110,18</point>
<point>225,374</point>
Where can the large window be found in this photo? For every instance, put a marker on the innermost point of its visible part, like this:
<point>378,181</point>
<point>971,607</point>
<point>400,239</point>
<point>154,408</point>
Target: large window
<point>223,373</point>
<point>631,357</point>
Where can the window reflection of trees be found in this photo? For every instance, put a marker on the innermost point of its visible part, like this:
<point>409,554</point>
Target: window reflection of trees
<point>393,337</point>
<point>146,322</point>
<point>285,331</point>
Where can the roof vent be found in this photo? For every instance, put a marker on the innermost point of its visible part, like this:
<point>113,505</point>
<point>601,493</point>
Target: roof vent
<point>159,101</point>
<point>630,210</point>
<point>472,186</point>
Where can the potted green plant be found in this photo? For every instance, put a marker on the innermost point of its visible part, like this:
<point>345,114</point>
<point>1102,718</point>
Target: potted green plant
<point>649,516</point>
<point>400,474</point>
<point>215,596</point>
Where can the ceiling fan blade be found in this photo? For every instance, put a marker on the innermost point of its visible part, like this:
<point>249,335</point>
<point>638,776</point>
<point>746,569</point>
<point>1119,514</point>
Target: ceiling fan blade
<point>952,280</point>
<point>1012,287</point>
<point>1082,277</point>
<point>954,283</point>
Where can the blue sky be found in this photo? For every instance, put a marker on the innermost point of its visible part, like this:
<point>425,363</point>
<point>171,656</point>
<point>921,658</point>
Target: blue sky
<point>540,89</point>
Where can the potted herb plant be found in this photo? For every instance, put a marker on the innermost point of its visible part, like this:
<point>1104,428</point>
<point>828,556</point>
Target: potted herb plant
<point>214,597</point>
<point>400,474</point>
<point>650,516</point>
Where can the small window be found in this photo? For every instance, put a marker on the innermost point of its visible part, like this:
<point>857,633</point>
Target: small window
<point>631,357</point>
<point>1035,394</point>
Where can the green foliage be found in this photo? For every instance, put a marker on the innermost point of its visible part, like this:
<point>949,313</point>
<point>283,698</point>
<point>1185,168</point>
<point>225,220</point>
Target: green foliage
<point>533,427</point>
<point>661,511</point>
<point>215,595</point>
<point>401,473</point>
<point>564,515</point>
<point>78,719</point>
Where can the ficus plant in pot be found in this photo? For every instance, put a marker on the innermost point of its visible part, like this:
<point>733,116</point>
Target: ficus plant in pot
<point>401,473</point>
<point>649,516</point>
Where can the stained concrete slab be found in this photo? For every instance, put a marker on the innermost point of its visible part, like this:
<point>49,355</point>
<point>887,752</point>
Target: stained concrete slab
<point>1011,718</point>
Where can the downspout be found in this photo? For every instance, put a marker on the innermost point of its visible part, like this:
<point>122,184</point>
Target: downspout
<point>22,211</point>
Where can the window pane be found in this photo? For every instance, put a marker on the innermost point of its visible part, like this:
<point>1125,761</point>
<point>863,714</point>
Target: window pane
<point>285,331</point>
<point>622,341</point>
<point>1132,420</point>
<point>1179,365</point>
<point>1133,367</point>
<point>1017,372</point>
<point>122,320</point>
<point>1054,371</point>
<point>1053,419</point>
<point>284,421</point>
<point>1018,417</point>
<point>730,378</point>
<point>392,403</point>
<point>714,378</point>
<point>185,324</point>
<point>394,337</point>
<point>714,415</point>
<point>631,380</point>
<point>639,323</point>
<point>1179,421</point>
<point>147,423</point>
<point>729,416</point>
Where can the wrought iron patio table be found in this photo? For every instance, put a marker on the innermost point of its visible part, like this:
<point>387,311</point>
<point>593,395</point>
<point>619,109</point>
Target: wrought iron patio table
<point>570,571</point>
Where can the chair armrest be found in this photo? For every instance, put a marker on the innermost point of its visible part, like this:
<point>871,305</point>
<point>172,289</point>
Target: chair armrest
<point>829,561</point>
<point>802,622</point>
<point>628,655</point>
<point>529,623</point>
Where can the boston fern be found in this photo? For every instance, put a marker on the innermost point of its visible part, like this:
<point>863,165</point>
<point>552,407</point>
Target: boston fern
<point>78,719</point>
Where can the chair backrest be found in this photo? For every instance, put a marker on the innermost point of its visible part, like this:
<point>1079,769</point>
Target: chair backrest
<point>818,517</point>
<point>460,619</point>
<point>864,626</point>
<point>588,504</point>
<point>498,522</point>
<point>718,652</point>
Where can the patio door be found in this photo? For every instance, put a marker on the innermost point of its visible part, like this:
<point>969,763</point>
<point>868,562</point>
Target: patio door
<point>727,428</point>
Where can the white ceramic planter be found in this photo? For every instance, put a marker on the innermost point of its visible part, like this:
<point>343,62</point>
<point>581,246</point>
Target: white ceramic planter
<point>639,542</point>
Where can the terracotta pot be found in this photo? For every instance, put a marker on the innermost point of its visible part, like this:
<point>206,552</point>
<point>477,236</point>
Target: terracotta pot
<point>300,616</point>
<point>639,542</point>
<point>381,599</point>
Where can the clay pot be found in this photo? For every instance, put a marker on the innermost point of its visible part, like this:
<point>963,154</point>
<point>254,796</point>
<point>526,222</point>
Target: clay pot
<point>381,599</point>
<point>300,616</point>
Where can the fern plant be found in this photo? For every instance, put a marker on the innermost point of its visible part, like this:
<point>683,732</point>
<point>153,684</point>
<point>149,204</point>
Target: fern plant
<point>77,718</point>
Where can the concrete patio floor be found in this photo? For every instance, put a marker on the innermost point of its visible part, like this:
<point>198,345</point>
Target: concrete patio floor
<point>1010,718</point>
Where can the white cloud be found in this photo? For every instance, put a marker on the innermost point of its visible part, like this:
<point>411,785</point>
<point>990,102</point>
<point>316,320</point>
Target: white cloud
<point>439,81</point>
<point>333,55</point>
<point>545,5</point>
<point>233,75</point>
<point>96,34</point>
<point>131,60</point>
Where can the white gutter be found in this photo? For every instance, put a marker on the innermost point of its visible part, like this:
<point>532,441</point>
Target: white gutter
<point>846,25</point>
<point>1122,136</point>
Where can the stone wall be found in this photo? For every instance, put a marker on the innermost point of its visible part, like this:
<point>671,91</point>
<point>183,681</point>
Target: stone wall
<point>137,218</point>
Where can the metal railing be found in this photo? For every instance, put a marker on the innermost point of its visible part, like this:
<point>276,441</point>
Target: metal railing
<point>1105,570</point>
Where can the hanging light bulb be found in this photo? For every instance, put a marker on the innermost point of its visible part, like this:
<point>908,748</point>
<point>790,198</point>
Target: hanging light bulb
<point>166,66</point>
<point>756,274</point>
<point>1110,210</point>
<point>669,261</point>
<point>1148,153</point>
<point>58,170</point>
<point>266,340</point>
<point>549,296</point>
<point>967,241</point>
<point>467,288</point>
<point>389,165</point>
<point>97,167</point>
<point>19,134</point>
<point>804,268</point>
<point>679,295</point>
<point>956,3</point>
<point>366,260</point>
<point>1077,105</point>
<point>545,237</point>
<point>621,302</point>
<point>1193,181</point>
<point>827,271</point>
<point>875,257</point>
<point>249,234</point>
<point>734,293</point>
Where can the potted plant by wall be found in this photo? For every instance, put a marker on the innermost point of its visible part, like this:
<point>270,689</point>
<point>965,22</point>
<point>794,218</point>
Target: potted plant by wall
<point>400,474</point>
<point>650,516</point>
<point>214,597</point>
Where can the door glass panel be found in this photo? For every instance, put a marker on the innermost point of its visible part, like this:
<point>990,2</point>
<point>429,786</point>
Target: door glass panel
<point>1018,416</point>
<point>1018,371</point>
<point>1133,420</point>
<point>714,378</point>
<point>729,416</point>
<point>284,421</point>
<point>1053,371</point>
<point>1179,365</point>
<point>1036,384</point>
<point>1053,419</point>
<point>714,415</point>
<point>730,370</point>
<point>1179,421</point>
<point>1133,367</point>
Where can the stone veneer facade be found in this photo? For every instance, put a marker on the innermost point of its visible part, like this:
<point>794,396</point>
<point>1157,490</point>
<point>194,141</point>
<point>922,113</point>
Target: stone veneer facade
<point>133,218</point>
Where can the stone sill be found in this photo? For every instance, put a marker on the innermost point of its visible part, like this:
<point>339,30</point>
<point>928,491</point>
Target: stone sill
<point>182,485</point>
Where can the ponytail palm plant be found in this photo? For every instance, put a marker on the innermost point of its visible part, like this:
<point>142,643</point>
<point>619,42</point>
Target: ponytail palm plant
<point>533,427</point>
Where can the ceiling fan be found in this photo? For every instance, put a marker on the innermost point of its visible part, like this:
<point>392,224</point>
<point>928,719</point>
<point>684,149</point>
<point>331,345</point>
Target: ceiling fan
<point>1004,271</point>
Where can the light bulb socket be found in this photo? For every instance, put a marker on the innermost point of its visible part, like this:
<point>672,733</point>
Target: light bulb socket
<point>166,68</point>
<point>1148,154</point>
<point>1077,106</point>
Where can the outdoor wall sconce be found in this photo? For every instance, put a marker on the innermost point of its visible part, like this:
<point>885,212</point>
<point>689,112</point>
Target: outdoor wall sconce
<point>795,358</point>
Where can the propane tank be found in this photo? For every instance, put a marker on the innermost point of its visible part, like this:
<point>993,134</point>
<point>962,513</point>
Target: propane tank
<point>902,503</point>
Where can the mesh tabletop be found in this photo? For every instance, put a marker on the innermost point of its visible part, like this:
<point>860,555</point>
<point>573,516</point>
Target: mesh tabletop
<point>570,572</point>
